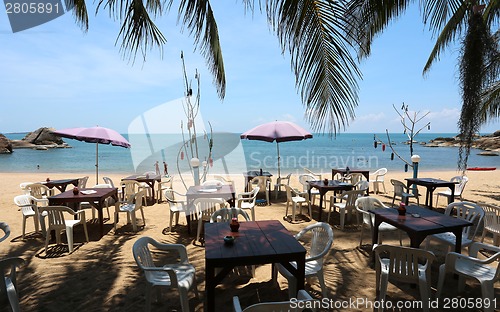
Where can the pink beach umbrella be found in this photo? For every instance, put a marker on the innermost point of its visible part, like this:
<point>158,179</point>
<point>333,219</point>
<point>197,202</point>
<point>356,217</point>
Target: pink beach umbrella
<point>98,135</point>
<point>279,131</point>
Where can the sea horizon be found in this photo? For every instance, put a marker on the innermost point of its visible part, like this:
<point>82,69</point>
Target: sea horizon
<point>234,156</point>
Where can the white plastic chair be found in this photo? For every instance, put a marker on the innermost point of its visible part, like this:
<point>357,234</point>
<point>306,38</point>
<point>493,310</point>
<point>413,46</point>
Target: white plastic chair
<point>482,270</point>
<point>317,176</point>
<point>402,264</point>
<point>226,215</point>
<point>205,207</point>
<point>108,180</point>
<point>459,188</point>
<point>246,201</point>
<point>8,281</point>
<point>6,231</point>
<point>464,210</point>
<point>303,178</point>
<point>40,191</point>
<point>363,205</point>
<point>294,198</point>
<point>281,181</point>
<point>347,206</point>
<point>491,222</point>
<point>130,209</point>
<point>402,192</point>
<point>165,183</point>
<point>353,178</point>
<point>57,223</point>
<point>304,300</point>
<point>215,183</point>
<point>225,180</point>
<point>176,206</point>
<point>378,179</point>
<point>28,206</point>
<point>319,238</point>
<point>264,184</point>
<point>24,187</point>
<point>130,188</point>
<point>180,275</point>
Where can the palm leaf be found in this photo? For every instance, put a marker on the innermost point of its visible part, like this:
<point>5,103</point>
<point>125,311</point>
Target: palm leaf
<point>326,73</point>
<point>198,16</point>
<point>79,8</point>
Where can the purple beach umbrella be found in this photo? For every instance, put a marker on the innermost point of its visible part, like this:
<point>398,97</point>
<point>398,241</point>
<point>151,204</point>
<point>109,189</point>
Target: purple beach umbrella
<point>279,131</point>
<point>98,135</point>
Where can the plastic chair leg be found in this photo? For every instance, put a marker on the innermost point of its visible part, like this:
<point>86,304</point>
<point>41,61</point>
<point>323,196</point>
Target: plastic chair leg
<point>69,236</point>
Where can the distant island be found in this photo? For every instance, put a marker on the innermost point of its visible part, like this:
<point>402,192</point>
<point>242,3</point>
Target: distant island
<point>40,139</point>
<point>490,143</point>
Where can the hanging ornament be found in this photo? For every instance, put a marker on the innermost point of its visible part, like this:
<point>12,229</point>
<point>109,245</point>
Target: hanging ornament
<point>392,156</point>
<point>190,123</point>
<point>374,138</point>
<point>193,138</point>
<point>375,144</point>
<point>211,162</point>
<point>182,155</point>
<point>383,147</point>
<point>429,127</point>
<point>406,167</point>
<point>205,136</point>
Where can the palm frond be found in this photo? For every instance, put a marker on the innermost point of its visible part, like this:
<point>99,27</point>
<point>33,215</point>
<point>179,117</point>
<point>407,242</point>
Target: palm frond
<point>452,30</point>
<point>368,18</point>
<point>198,16</point>
<point>437,12</point>
<point>79,8</point>
<point>325,70</point>
<point>490,103</point>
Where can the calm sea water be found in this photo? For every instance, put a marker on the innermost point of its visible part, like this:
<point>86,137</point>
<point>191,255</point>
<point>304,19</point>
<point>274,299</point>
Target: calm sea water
<point>234,156</point>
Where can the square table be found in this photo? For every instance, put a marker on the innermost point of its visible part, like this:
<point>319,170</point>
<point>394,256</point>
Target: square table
<point>418,228</point>
<point>343,171</point>
<point>431,184</point>
<point>149,179</point>
<point>256,242</point>
<point>226,192</point>
<point>60,184</point>
<point>96,199</point>
<point>322,187</point>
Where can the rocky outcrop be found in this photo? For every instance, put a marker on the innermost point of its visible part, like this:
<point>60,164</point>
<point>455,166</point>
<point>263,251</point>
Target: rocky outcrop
<point>41,139</point>
<point>489,143</point>
<point>5,145</point>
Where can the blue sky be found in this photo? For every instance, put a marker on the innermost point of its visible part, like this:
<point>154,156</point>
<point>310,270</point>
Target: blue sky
<point>58,76</point>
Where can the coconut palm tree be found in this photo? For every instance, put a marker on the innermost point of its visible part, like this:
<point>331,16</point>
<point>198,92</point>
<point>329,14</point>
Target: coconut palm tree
<point>310,30</point>
<point>451,20</point>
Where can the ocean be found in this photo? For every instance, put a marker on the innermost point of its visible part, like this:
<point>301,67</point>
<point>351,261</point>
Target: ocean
<point>234,156</point>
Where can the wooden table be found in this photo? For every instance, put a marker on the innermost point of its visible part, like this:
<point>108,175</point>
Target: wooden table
<point>343,171</point>
<point>431,184</point>
<point>96,199</point>
<point>333,185</point>
<point>257,242</point>
<point>149,180</point>
<point>60,184</point>
<point>225,192</point>
<point>429,222</point>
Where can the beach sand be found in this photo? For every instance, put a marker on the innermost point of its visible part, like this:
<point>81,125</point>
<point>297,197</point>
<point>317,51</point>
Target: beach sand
<point>102,276</point>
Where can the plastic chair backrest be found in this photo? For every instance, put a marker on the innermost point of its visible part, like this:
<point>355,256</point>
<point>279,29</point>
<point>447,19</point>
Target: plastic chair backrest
<point>350,201</point>
<point>303,178</point>
<point>362,185</point>
<point>459,188</point>
<point>226,214</point>
<point>205,207</point>
<point>262,182</point>
<point>368,203</point>
<point>491,216</point>
<point>55,216</point>
<point>212,183</point>
<point>317,176</point>
<point>103,185</point>
<point>108,180</point>
<point>8,283</point>
<point>474,249</point>
<point>26,203</point>
<point>467,211</point>
<point>379,174</point>
<point>144,258</point>
<point>404,261</point>
<point>82,182</point>
<point>399,187</point>
<point>321,240</point>
<point>38,190</point>
<point>130,188</point>
<point>304,303</point>
<point>6,229</point>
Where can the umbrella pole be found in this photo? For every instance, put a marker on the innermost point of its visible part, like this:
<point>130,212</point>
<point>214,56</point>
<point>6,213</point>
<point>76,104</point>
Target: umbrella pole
<point>97,163</point>
<point>278,148</point>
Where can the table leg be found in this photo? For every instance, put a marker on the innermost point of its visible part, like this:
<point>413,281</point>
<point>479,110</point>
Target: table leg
<point>209,287</point>
<point>321,195</point>
<point>431,192</point>
<point>452,197</point>
<point>458,240</point>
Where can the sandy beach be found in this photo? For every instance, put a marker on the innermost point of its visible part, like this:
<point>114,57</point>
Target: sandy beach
<point>102,275</point>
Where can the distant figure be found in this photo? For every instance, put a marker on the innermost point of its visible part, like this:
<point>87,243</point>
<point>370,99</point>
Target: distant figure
<point>157,168</point>
<point>38,167</point>
<point>165,168</point>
